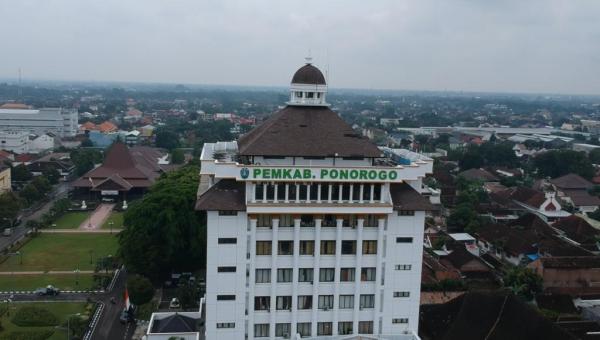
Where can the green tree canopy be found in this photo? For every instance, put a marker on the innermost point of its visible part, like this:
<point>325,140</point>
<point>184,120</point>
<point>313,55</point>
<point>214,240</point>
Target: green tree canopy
<point>85,159</point>
<point>140,289</point>
<point>30,194</point>
<point>524,282</point>
<point>556,163</point>
<point>52,175</point>
<point>167,138</point>
<point>164,232</point>
<point>177,156</point>
<point>20,173</point>
<point>10,204</point>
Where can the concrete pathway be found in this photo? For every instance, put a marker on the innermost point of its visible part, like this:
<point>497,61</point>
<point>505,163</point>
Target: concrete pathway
<point>98,217</point>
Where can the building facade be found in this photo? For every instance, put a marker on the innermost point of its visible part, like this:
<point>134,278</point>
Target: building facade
<point>312,230</point>
<point>14,141</point>
<point>5,180</point>
<point>59,121</point>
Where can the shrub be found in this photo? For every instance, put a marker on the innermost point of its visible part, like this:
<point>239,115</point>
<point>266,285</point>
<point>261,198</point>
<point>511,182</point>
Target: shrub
<point>32,316</point>
<point>140,289</point>
<point>27,335</point>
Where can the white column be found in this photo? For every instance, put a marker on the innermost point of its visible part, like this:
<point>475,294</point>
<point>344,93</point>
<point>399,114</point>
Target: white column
<point>295,275</point>
<point>336,287</point>
<point>253,199</point>
<point>315,306</point>
<point>287,193</point>
<point>308,193</point>
<point>273,278</point>
<point>252,279</point>
<point>372,192</point>
<point>379,274</point>
<point>351,192</point>
<point>276,192</point>
<point>297,193</point>
<point>362,189</point>
<point>329,193</point>
<point>357,268</point>
<point>340,191</point>
<point>264,192</point>
<point>383,192</point>
<point>319,193</point>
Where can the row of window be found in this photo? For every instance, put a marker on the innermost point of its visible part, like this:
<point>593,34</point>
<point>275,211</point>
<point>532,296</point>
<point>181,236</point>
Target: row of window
<point>306,275</point>
<point>310,192</point>
<point>325,302</point>
<point>304,328</point>
<point>307,221</point>
<point>369,247</point>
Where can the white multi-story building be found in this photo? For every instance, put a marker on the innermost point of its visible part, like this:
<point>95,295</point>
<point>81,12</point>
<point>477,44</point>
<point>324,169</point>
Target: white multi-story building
<point>59,121</point>
<point>312,230</point>
<point>14,141</point>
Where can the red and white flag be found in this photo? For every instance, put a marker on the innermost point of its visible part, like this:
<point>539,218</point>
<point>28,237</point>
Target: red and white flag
<point>127,303</point>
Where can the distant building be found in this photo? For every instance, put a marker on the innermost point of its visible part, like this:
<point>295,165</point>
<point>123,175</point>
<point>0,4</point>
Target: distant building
<point>59,121</point>
<point>42,144</point>
<point>131,137</point>
<point>5,180</point>
<point>14,141</point>
<point>573,275</point>
<point>60,162</point>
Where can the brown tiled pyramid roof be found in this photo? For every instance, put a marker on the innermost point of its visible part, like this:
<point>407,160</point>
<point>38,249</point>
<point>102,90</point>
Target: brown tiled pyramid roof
<point>306,131</point>
<point>227,194</point>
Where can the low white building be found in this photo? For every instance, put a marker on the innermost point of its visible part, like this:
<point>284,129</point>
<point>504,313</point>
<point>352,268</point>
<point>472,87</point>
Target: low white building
<point>41,144</point>
<point>14,141</point>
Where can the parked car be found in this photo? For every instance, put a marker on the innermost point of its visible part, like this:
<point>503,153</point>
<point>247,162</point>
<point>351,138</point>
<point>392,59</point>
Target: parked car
<point>174,304</point>
<point>48,290</point>
<point>7,232</point>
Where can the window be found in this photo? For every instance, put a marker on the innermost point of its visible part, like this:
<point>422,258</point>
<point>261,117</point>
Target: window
<point>403,267</point>
<point>326,302</point>
<point>314,191</point>
<point>225,297</point>
<point>367,301</point>
<point>326,274</point>
<point>371,221</point>
<point>347,274</point>
<point>325,192</point>
<point>286,220</point>
<point>270,192</point>
<point>284,303</point>
<point>404,239</point>
<point>305,302</point>
<point>328,221</point>
<point>309,94</point>
<point>281,192</point>
<point>284,275</point>
<point>283,329</point>
<point>303,328</point>
<point>305,275</point>
<point>376,192</point>
<point>327,247</point>
<point>262,302</point>
<point>401,294</point>
<point>369,247</point>
<point>261,330</point>
<point>406,213</point>
<point>350,221</point>
<point>226,269</point>
<point>400,320</point>
<point>263,275</point>
<point>346,301</point>
<point>348,247</point>
<point>264,221</point>
<point>307,220</point>
<point>345,192</point>
<point>345,327</point>
<point>227,240</point>
<point>298,94</point>
<point>325,328</point>
<point>365,327</point>
<point>225,324</point>
<point>263,247</point>
<point>258,192</point>
<point>285,248</point>
<point>307,247</point>
<point>227,213</point>
<point>367,274</point>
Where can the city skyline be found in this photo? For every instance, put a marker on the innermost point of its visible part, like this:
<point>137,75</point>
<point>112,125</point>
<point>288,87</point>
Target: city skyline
<point>457,46</point>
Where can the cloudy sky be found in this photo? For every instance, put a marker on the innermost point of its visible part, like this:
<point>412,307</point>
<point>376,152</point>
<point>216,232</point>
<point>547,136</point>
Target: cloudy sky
<point>511,46</point>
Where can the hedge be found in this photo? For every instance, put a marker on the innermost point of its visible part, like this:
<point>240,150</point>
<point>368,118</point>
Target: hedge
<point>32,316</point>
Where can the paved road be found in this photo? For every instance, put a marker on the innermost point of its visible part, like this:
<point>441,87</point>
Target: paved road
<point>59,192</point>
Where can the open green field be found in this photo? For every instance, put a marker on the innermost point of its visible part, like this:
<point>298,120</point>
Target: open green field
<point>62,251</point>
<point>117,218</point>
<point>61,310</point>
<point>34,281</point>
<point>71,220</point>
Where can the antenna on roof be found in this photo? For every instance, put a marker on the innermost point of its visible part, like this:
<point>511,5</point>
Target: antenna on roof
<point>327,66</point>
<point>308,58</point>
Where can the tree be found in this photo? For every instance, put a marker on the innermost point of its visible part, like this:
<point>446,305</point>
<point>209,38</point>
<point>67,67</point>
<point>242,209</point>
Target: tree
<point>52,175</point>
<point>463,217</point>
<point>166,138</point>
<point>30,194</point>
<point>524,282</point>
<point>188,296</point>
<point>164,232</point>
<point>177,156</point>
<point>140,289</point>
<point>85,160</point>
<point>42,185</point>
<point>87,143</point>
<point>594,156</point>
<point>556,163</point>
<point>10,204</point>
<point>20,173</point>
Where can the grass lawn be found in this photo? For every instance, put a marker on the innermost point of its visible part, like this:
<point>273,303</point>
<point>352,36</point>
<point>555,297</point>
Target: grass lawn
<point>61,310</point>
<point>71,220</point>
<point>117,218</point>
<point>62,251</point>
<point>32,282</point>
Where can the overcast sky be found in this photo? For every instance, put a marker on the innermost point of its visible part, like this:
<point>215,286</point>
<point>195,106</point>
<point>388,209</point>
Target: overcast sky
<point>510,46</point>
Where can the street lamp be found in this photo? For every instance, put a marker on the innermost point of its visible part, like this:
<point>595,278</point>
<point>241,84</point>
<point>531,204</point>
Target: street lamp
<point>76,277</point>
<point>69,324</point>
<point>111,223</point>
